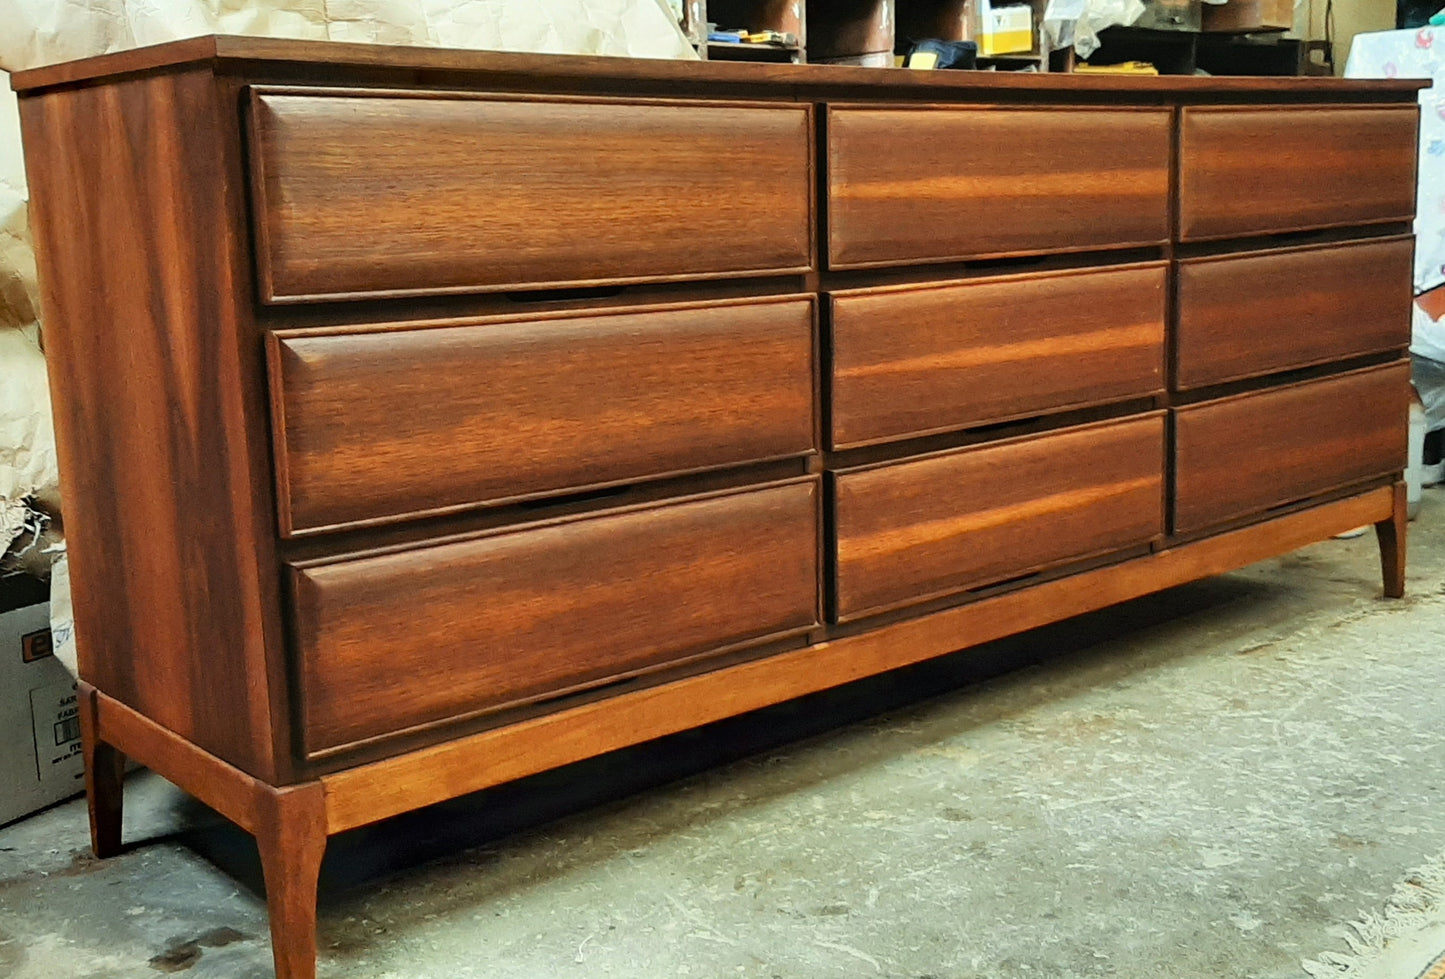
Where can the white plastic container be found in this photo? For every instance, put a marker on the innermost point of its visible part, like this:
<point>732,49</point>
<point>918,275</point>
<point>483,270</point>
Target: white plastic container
<point>1415,459</point>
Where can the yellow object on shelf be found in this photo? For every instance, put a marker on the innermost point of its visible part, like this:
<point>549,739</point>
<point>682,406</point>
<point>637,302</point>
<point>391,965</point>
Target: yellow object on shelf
<point>1005,30</point>
<point>1123,68</point>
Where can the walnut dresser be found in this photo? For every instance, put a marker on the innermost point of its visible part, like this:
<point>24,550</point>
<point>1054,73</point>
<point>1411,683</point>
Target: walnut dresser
<point>430,418</point>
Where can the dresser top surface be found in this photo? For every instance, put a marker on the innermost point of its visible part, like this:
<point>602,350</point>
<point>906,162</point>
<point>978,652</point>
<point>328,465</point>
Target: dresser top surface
<point>332,61</point>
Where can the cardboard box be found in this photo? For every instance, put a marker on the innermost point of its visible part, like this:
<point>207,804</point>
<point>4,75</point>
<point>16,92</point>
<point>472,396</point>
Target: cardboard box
<point>1247,16</point>
<point>40,757</point>
<point>1005,30</point>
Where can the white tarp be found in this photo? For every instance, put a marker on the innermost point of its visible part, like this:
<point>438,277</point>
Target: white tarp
<point>1418,53</point>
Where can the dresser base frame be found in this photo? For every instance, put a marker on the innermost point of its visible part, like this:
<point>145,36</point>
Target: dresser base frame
<point>292,823</point>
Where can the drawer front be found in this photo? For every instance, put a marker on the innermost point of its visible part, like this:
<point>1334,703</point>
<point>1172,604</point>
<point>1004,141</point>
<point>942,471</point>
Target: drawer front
<point>377,425</point>
<point>364,195</point>
<point>915,530</point>
<point>396,641</point>
<point>919,360</point>
<point>935,184</point>
<point>1245,454</point>
<point>1247,315</point>
<point>1254,171</point>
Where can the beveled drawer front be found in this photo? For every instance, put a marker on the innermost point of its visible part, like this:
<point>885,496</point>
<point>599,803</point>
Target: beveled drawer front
<point>380,424</point>
<point>1256,170</point>
<point>405,639</point>
<point>936,183</point>
<point>914,360</point>
<point>365,194</point>
<point>1247,315</point>
<point>1242,455</point>
<point>910,531</point>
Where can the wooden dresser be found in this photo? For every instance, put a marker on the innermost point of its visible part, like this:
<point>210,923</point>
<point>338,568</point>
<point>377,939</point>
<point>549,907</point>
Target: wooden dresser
<point>430,418</point>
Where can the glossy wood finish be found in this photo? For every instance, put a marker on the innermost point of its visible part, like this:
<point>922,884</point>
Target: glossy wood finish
<point>1392,533</point>
<point>521,408</point>
<point>367,793</point>
<point>159,434</point>
<point>915,530</point>
<point>104,778</point>
<point>521,193</point>
<point>1253,314</point>
<point>939,183</point>
<point>335,60</point>
<point>1250,452</point>
<point>1256,170</point>
<point>158,248</point>
<point>291,839</point>
<point>221,786</point>
<point>912,360</point>
<point>421,636</point>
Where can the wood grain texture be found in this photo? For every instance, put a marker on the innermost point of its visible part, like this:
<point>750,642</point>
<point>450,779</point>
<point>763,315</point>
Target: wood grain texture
<point>1246,171</point>
<point>104,778</point>
<point>917,360</point>
<point>940,183</point>
<point>1391,534</point>
<point>915,530</point>
<point>136,205</point>
<point>1247,453</point>
<point>291,838</point>
<point>367,793</point>
<point>1248,315</point>
<point>421,636</point>
<point>521,408</point>
<point>845,28</point>
<point>521,193</point>
<point>222,786</point>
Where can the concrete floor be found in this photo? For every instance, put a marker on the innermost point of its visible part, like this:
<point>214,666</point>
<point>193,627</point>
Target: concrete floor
<point>1204,783</point>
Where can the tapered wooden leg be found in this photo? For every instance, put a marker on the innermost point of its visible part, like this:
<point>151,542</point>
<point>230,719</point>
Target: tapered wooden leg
<point>104,778</point>
<point>291,835</point>
<point>1391,534</point>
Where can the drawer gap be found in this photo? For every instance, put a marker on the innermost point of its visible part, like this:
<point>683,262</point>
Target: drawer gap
<point>569,499</point>
<point>1003,583</point>
<point>863,455</point>
<point>1265,241</point>
<point>980,268</point>
<point>481,519</point>
<point>1283,378</point>
<point>529,297</point>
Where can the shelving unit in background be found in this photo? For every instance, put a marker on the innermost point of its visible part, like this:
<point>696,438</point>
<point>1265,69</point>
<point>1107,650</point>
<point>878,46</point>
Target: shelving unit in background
<point>1184,52</point>
<point>957,20</point>
<point>783,16</point>
<point>868,32</point>
<point>844,32</point>
<point>851,32</point>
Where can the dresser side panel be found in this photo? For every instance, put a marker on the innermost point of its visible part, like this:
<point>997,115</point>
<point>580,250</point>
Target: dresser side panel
<point>137,206</point>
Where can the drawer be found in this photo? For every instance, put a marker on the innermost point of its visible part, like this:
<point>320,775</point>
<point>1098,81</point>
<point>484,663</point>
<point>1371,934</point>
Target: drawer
<point>1247,315</point>
<point>935,183</point>
<point>914,530</point>
<point>367,194</point>
<point>914,360</point>
<point>1246,171</point>
<point>1243,455</point>
<point>378,424</point>
<point>412,638</point>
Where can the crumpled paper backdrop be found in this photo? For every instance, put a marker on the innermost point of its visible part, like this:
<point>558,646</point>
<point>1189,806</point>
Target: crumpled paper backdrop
<point>38,32</point>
